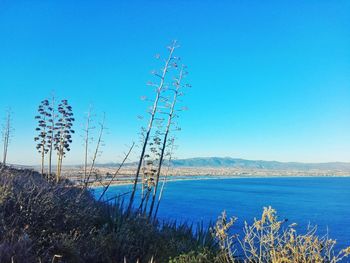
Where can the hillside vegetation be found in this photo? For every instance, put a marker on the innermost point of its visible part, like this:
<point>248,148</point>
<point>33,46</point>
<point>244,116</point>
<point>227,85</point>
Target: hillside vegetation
<point>42,221</point>
<point>45,221</point>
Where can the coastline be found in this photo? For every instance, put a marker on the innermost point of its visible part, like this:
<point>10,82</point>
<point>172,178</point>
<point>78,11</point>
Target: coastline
<point>216,177</point>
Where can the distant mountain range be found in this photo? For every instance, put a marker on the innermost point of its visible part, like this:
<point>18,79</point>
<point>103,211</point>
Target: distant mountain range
<point>228,162</point>
<point>258,164</point>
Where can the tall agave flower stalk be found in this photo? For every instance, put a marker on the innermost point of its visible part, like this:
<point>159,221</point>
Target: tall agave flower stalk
<point>97,152</point>
<point>51,128</point>
<point>42,129</point>
<point>159,88</point>
<point>149,171</point>
<point>87,139</point>
<point>171,115</point>
<point>170,158</point>
<point>6,135</point>
<point>63,136</point>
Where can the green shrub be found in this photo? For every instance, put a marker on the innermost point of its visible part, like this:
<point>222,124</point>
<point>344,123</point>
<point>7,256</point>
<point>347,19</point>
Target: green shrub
<point>203,256</point>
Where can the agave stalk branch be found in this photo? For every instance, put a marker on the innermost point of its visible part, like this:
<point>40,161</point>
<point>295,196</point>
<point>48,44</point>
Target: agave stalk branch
<point>6,136</point>
<point>52,134</point>
<point>43,148</point>
<point>164,179</point>
<point>97,149</point>
<point>86,142</point>
<point>150,124</point>
<point>166,134</point>
<point>116,172</point>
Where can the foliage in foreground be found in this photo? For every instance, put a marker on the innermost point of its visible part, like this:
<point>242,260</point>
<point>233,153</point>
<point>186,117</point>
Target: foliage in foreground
<point>42,220</point>
<point>266,240</point>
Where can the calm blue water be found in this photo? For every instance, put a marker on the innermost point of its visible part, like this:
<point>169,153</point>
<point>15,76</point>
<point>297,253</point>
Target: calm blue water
<point>324,202</point>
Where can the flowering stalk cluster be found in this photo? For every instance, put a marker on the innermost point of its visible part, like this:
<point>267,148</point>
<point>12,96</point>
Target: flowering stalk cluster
<point>63,135</point>
<point>54,135</point>
<point>155,138</point>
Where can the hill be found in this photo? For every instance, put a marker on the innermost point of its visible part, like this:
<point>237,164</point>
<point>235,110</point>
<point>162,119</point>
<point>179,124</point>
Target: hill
<point>229,162</point>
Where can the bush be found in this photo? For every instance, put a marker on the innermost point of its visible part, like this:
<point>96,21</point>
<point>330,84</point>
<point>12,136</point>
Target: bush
<point>195,257</point>
<point>41,219</point>
<point>267,241</point>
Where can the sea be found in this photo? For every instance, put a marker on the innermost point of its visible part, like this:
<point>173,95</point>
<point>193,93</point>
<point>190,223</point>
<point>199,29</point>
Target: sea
<point>307,201</point>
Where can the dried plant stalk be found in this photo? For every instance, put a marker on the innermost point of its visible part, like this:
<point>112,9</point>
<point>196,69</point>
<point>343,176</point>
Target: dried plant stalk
<point>6,136</point>
<point>159,90</point>
<point>97,150</point>
<point>267,241</point>
<point>171,115</point>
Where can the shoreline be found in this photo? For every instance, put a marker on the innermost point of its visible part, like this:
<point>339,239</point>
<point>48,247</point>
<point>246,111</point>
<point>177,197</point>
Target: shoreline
<point>212,177</point>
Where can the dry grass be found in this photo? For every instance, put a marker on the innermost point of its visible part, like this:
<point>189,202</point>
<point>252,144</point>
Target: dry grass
<point>41,221</point>
<point>268,240</point>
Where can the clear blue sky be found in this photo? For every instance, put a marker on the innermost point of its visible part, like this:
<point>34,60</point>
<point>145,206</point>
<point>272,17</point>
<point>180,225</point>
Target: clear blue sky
<point>271,79</point>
